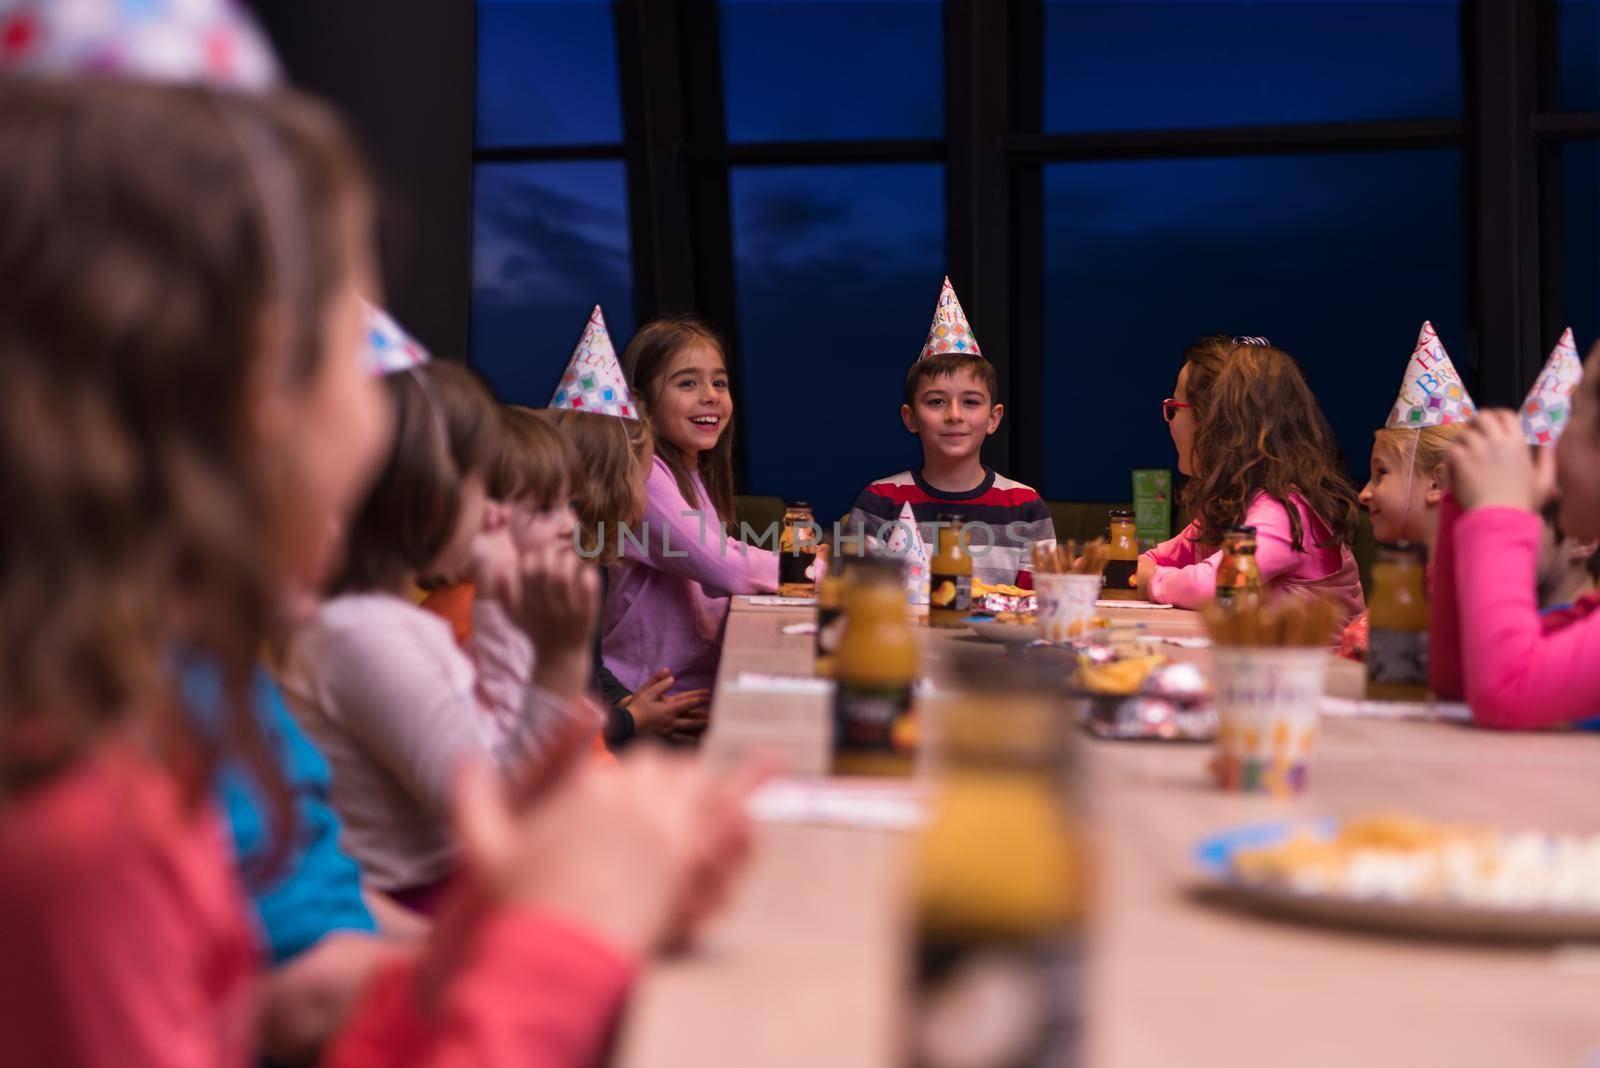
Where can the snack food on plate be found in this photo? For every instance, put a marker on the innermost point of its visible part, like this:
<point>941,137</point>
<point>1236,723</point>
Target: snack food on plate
<point>1008,604</point>
<point>1133,692</point>
<point>1405,859</point>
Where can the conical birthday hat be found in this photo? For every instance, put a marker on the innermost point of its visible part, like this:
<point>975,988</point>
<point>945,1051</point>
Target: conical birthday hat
<point>905,542</point>
<point>950,331</point>
<point>594,381</point>
<point>1431,394</point>
<point>389,348</point>
<point>206,42</point>
<point>1549,403</point>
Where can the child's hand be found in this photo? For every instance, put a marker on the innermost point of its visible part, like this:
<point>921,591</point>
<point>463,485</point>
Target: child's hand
<point>1140,579</point>
<point>493,567</point>
<point>1491,466</point>
<point>676,716</point>
<point>556,601</point>
<point>583,850</point>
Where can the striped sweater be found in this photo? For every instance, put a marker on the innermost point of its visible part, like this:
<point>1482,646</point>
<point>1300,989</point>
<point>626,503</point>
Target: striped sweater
<point>1003,517</point>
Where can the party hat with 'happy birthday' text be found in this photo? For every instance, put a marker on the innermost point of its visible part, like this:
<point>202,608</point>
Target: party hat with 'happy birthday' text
<point>950,333</point>
<point>1431,394</point>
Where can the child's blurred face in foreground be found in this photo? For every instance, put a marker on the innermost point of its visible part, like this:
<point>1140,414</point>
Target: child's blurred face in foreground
<point>952,414</point>
<point>330,434</point>
<point>1578,457</point>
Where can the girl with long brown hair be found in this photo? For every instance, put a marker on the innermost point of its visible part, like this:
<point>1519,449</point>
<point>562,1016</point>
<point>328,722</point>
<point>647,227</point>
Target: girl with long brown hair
<point>669,595</point>
<point>612,461</point>
<point>1258,452</point>
<point>184,420</point>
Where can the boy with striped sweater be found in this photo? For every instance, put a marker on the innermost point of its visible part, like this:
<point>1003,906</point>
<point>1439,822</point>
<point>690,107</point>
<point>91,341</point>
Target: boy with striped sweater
<point>950,405</point>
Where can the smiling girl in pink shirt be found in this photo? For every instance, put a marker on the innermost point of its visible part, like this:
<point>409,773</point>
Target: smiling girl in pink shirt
<point>669,596</point>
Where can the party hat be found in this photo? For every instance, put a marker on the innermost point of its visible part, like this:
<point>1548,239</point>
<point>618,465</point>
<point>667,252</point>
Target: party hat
<point>950,331</point>
<point>904,541</point>
<point>1431,394</point>
<point>389,348</point>
<point>594,381</point>
<point>1549,403</point>
<point>188,42</point>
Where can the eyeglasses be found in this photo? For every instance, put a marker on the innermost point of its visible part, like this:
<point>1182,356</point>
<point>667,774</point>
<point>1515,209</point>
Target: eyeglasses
<point>1169,408</point>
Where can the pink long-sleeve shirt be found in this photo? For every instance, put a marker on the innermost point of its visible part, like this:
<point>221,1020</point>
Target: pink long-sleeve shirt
<point>396,707</point>
<point>1186,579</point>
<point>127,944</point>
<point>669,595</point>
<point>1488,642</point>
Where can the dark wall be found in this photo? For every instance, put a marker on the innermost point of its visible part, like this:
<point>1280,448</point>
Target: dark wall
<point>402,73</point>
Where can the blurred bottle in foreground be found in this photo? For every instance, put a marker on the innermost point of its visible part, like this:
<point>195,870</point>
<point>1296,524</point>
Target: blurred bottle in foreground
<point>1397,622</point>
<point>1239,576</point>
<point>874,668</point>
<point>1001,882</point>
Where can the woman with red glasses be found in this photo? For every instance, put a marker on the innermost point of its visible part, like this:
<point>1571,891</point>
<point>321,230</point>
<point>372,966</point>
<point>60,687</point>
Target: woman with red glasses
<point>1258,452</point>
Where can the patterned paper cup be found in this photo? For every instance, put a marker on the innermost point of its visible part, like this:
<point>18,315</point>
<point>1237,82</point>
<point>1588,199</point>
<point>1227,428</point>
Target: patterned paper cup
<point>1267,703</point>
<point>1066,604</point>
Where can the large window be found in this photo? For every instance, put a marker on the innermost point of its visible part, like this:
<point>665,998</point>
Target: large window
<point>550,241</point>
<point>1155,64</point>
<point>1143,257</point>
<point>839,269</point>
<point>822,69</point>
<point>550,195</point>
<point>1104,180</point>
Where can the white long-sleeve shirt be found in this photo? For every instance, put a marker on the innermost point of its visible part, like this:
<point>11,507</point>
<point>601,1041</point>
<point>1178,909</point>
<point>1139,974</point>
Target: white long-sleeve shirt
<point>397,707</point>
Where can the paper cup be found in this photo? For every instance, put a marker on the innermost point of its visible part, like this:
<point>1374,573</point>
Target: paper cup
<point>1267,703</point>
<point>1066,604</point>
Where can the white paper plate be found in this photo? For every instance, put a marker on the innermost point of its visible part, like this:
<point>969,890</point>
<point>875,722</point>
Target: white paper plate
<point>1003,633</point>
<point>1435,919</point>
<point>1104,603</point>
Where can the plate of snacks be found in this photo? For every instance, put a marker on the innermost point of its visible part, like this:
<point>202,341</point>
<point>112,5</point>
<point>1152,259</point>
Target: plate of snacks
<point>1402,874</point>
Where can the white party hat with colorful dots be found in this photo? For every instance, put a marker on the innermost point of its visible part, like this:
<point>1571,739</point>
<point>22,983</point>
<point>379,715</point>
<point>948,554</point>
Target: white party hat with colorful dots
<point>950,333</point>
<point>593,381</point>
<point>1549,404</point>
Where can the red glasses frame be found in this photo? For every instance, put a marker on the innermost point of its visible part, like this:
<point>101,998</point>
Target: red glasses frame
<point>1169,408</point>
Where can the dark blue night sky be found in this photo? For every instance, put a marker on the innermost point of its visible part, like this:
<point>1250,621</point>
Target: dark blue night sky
<point>1338,257</point>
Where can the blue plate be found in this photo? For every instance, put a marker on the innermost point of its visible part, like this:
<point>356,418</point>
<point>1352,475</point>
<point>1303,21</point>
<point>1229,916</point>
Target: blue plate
<point>1215,854</point>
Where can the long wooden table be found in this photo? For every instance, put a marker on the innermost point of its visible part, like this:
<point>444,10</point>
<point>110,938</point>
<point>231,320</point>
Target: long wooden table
<point>806,969</point>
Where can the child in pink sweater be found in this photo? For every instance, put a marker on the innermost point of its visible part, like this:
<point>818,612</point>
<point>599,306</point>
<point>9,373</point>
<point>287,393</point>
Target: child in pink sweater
<point>1259,453</point>
<point>1489,643</point>
<point>669,596</point>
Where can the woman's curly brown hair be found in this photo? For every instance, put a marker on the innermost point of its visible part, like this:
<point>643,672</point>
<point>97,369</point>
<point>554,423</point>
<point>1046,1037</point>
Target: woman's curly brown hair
<point>1259,429</point>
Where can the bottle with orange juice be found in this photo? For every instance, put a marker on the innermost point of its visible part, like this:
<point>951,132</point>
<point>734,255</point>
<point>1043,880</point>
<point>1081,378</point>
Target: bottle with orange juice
<point>950,577</point>
<point>874,670</point>
<point>1000,881</point>
<point>1238,576</point>
<point>1397,625</point>
<point>1123,561</point>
